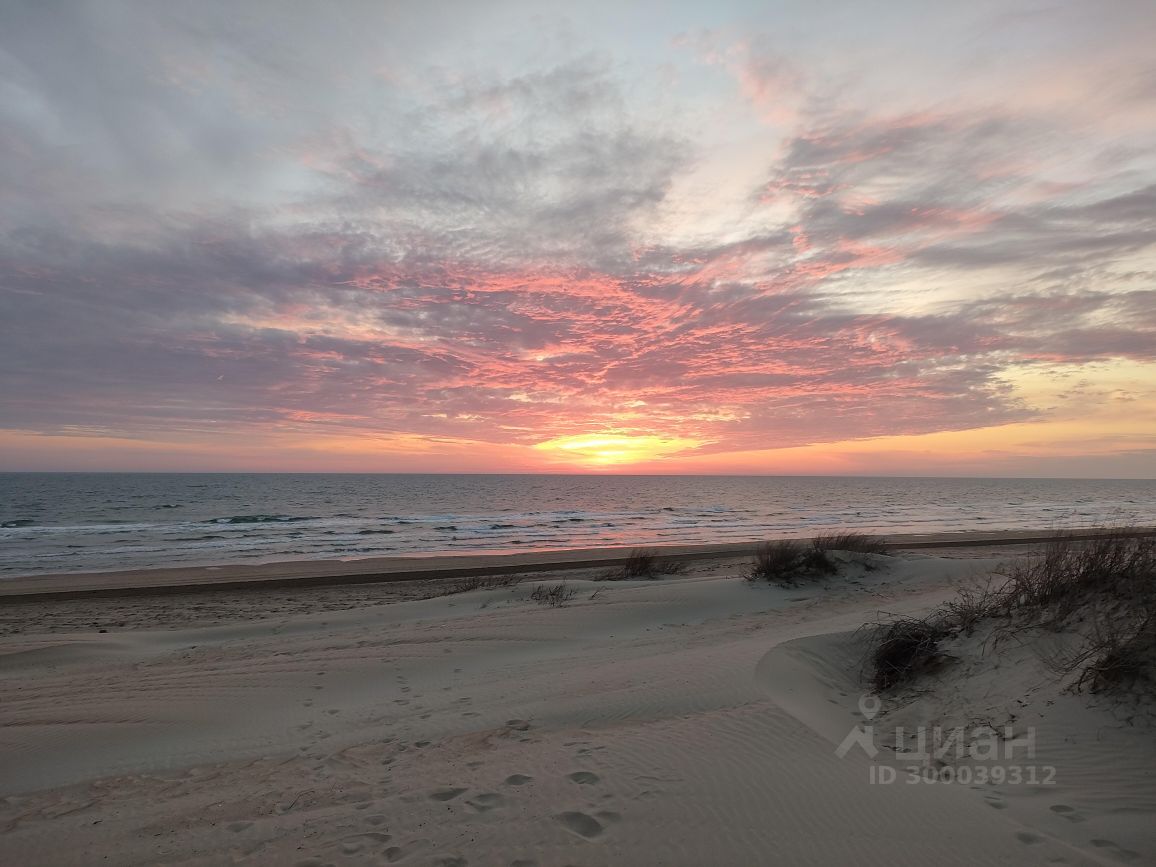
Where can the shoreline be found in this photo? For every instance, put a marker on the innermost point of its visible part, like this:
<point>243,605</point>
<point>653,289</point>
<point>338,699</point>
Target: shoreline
<point>322,573</point>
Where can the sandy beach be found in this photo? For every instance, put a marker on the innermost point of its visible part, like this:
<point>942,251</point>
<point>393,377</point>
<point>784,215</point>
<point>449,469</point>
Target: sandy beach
<point>690,719</point>
<point>603,434</point>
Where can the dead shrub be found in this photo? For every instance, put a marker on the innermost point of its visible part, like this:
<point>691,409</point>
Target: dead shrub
<point>856,543</point>
<point>777,562</point>
<point>905,648</point>
<point>643,563</point>
<point>555,596</point>
<point>478,582</point>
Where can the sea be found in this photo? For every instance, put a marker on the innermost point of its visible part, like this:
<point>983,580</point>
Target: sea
<point>82,522</point>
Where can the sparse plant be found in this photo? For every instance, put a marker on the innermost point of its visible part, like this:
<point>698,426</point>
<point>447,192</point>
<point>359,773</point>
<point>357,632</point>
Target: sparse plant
<point>478,582</point>
<point>643,563</point>
<point>640,564</point>
<point>1119,658</point>
<point>972,606</point>
<point>789,562</point>
<point>816,561</point>
<point>905,648</point>
<point>1114,568</point>
<point>555,596</point>
<point>778,562</point>
<point>856,543</point>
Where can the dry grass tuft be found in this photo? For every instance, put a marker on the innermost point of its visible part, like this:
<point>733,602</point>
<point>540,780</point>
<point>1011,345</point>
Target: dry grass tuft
<point>1114,570</point>
<point>1118,657</point>
<point>790,562</point>
<point>779,562</point>
<point>904,649</point>
<point>856,543</point>
<point>643,563</point>
<point>478,582</point>
<point>555,596</point>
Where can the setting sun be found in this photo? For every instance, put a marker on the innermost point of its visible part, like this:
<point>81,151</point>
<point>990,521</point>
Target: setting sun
<point>611,449</point>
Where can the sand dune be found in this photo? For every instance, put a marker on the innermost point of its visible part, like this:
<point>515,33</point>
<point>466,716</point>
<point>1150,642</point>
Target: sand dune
<point>691,720</point>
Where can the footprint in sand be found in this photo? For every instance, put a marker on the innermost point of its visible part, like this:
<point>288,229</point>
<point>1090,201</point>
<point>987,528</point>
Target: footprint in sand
<point>518,725</point>
<point>584,778</point>
<point>397,853</point>
<point>237,827</point>
<point>1028,838</point>
<point>446,794</point>
<point>1118,851</point>
<point>517,780</point>
<point>1067,812</point>
<point>359,842</point>
<point>487,801</point>
<point>584,826</point>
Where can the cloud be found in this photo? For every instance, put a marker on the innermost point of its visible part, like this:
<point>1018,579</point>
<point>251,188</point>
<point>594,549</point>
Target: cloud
<point>229,241</point>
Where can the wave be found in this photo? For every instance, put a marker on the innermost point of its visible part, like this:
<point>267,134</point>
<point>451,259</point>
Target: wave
<point>261,519</point>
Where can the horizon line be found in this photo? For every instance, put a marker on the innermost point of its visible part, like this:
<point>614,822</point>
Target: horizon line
<point>575,474</point>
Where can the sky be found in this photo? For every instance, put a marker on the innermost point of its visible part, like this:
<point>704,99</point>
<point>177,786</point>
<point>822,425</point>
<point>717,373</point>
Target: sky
<point>883,238</point>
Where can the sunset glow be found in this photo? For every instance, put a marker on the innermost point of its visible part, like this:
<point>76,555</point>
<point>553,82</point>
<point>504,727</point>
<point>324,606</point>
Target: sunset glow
<point>738,239</point>
<point>614,449</point>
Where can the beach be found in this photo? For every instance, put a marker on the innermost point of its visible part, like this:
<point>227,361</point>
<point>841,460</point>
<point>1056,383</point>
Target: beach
<point>691,718</point>
<point>606,434</point>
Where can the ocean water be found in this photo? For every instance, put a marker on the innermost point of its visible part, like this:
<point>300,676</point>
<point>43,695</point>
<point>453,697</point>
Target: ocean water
<point>72,522</point>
